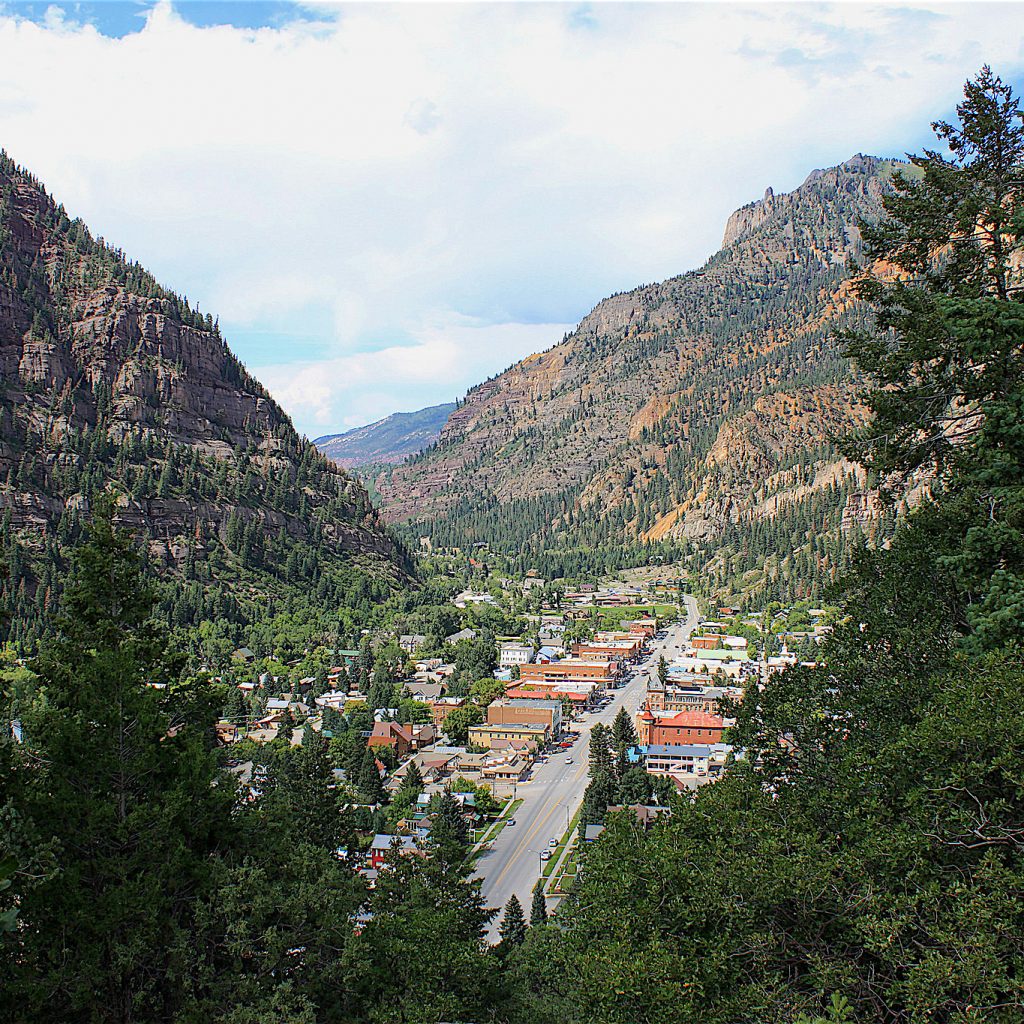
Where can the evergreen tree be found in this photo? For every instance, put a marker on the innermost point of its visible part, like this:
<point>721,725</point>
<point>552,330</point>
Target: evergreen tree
<point>412,785</point>
<point>122,785</point>
<point>234,708</point>
<point>623,731</point>
<point>332,721</point>
<point>368,782</point>
<point>513,925</point>
<point>946,365</point>
<point>539,906</point>
<point>449,823</point>
<point>286,728</point>
<point>315,803</point>
<point>600,752</point>
<point>421,953</point>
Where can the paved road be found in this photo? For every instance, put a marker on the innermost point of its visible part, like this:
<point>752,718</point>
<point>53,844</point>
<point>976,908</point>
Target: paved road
<point>554,792</point>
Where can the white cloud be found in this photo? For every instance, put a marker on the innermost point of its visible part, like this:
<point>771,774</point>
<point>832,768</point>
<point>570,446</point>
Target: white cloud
<point>384,182</point>
<point>448,356</point>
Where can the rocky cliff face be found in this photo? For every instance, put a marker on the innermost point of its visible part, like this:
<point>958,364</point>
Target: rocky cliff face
<point>748,218</point>
<point>110,382</point>
<point>678,409</point>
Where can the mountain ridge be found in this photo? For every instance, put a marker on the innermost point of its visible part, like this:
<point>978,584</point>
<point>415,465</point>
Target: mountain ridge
<point>389,439</point>
<point>113,383</point>
<point>610,431</point>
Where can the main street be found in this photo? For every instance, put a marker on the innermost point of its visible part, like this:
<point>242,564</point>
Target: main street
<point>555,788</point>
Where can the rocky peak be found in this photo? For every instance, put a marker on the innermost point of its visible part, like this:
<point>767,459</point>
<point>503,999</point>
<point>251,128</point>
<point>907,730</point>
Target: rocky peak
<point>748,218</point>
<point>859,171</point>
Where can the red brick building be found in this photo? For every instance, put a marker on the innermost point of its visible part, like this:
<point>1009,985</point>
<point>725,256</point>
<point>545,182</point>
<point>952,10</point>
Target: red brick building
<point>705,643</point>
<point>570,670</point>
<point>682,727</point>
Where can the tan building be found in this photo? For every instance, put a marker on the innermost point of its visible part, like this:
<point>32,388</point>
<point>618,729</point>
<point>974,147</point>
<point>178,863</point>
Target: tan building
<point>610,650</point>
<point>642,627</point>
<point>527,712</point>
<point>693,697</point>
<point>507,769</point>
<point>490,735</point>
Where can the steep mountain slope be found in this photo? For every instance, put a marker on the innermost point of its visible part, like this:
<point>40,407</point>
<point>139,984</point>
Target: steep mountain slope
<point>110,382</point>
<point>388,440</point>
<point>677,411</point>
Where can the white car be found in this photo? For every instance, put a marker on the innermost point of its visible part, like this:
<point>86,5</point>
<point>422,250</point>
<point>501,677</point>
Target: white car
<point>552,843</point>
<point>568,760</point>
<point>546,855</point>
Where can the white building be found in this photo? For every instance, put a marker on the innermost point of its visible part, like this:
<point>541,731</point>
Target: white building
<point>515,654</point>
<point>472,597</point>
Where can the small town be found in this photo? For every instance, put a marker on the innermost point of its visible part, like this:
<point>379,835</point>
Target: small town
<point>491,733</point>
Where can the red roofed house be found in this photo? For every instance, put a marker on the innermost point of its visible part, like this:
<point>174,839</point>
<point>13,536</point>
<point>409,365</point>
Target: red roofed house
<point>391,734</point>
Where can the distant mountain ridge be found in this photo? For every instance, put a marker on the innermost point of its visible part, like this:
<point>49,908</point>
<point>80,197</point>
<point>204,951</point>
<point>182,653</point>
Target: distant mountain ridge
<point>388,440</point>
<point>701,410</point>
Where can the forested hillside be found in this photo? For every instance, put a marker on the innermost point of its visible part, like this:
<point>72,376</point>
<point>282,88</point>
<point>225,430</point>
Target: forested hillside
<point>701,410</point>
<point>112,383</point>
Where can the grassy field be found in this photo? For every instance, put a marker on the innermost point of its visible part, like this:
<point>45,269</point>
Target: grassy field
<point>612,618</point>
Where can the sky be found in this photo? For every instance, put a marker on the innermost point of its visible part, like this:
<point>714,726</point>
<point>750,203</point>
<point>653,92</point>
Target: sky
<point>386,204</point>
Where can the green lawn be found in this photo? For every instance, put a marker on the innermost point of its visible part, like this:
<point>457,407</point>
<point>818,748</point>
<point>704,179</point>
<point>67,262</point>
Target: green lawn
<point>567,837</point>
